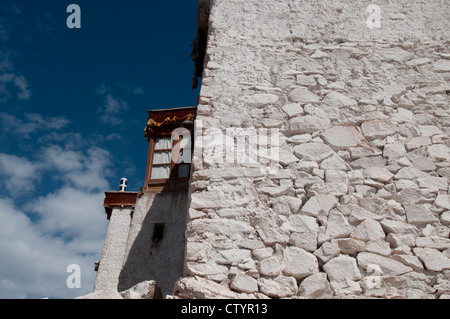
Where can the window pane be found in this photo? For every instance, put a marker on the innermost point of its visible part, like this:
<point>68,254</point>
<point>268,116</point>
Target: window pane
<point>160,172</point>
<point>183,171</point>
<point>162,157</point>
<point>163,143</point>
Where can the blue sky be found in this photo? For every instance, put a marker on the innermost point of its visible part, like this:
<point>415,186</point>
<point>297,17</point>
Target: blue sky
<point>73,108</point>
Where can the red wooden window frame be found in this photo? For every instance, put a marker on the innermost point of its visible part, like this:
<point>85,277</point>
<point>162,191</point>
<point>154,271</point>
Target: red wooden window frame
<point>173,166</point>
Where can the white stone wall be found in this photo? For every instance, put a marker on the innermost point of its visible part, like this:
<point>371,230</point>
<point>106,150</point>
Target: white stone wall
<point>158,260</point>
<point>114,248</point>
<point>360,203</point>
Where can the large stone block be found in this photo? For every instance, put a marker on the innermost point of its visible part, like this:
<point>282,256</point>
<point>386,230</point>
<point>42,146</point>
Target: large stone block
<point>419,215</point>
<point>315,287</point>
<point>342,267</point>
<point>342,137</point>
<point>280,287</point>
<point>201,288</point>
<point>319,204</point>
<point>143,290</point>
<point>261,99</point>
<point>269,267</point>
<point>439,152</point>
<point>313,151</point>
<point>387,266</point>
<point>218,199</point>
<point>299,263</point>
<point>244,283</point>
<point>432,258</point>
<point>377,129</point>
<point>300,223</point>
<point>337,99</point>
<point>337,225</point>
<point>368,230</point>
<point>303,96</point>
<point>306,124</point>
<point>271,236</point>
<point>378,174</point>
<point>286,205</point>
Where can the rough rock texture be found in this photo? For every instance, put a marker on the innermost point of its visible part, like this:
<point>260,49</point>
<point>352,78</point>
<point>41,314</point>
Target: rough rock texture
<point>358,205</point>
<point>102,294</point>
<point>143,290</point>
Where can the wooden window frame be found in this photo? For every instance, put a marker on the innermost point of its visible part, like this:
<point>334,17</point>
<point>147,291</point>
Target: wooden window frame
<point>158,184</point>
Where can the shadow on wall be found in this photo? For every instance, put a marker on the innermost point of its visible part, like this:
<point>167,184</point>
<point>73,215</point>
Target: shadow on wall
<point>157,241</point>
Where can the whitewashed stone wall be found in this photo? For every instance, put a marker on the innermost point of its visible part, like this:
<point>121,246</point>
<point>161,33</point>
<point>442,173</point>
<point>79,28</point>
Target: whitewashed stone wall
<point>360,203</point>
<point>114,248</point>
<point>146,259</point>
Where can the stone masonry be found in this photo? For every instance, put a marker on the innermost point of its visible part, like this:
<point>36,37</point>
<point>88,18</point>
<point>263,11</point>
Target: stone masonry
<point>359,206</point>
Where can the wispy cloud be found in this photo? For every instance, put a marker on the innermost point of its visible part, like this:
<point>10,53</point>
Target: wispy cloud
<point>129,88</point>
<point>22,84</point>
<point>123,87</point>
<point>12,83</point>
<point>9,15</point>
<point>5,61</point>
<point>113,103</point>
<point>31,123</point>
<point>112,110</point>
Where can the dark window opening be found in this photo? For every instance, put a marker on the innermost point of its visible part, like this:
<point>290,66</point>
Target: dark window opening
<point>184,170</point>
<point>158,232</point>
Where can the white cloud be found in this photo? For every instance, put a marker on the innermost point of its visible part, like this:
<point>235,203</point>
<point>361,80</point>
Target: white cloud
<point>68,225</point>
<point>40,237</point>
<point>72,214</point>
<point>83,170</point>
<point>18,173</point>
<point>56,158</point>
<point>34,264</point>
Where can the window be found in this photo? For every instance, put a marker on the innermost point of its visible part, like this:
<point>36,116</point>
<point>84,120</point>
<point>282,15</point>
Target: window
<point>183,170</point>
<point>162,166</point>
<point>169,133</point>
<point>162,158</point>
<point>158,232</point>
